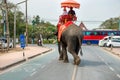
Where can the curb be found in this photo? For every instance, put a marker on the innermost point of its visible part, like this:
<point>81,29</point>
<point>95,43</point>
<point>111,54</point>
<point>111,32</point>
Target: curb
<point>115,53</point>
<point>39,54</point>
<point>112,52</point>
<point>23,60</point>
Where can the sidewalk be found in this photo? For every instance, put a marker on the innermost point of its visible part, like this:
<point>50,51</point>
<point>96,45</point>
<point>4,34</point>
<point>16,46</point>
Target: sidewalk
<point>115,51</point>
<point>15,57</point>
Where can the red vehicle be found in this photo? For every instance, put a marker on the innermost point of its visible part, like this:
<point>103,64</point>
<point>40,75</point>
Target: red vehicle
<point>93,36</point>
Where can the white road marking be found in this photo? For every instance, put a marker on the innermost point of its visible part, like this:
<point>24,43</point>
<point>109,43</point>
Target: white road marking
<point>118,75</point>
<point>33,73</point>
<point>101,58</point>
<point>112,69</point>
<point>43,66</point>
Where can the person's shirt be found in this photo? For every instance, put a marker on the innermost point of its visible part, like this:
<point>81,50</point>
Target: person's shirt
<point>64,13</point>
<point>72,12</point>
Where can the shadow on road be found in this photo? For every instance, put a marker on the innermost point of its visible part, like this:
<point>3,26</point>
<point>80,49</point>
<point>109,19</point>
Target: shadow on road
<point>85,63</point>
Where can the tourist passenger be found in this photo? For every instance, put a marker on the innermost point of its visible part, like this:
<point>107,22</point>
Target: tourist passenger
<point>65,12</point>
<point>71,12</point>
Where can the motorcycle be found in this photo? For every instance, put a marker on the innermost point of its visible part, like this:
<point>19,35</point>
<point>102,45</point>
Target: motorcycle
<point>39,42</point>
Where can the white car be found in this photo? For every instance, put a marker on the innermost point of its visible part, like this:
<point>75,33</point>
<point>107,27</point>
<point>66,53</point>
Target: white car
<point>114,42</point>
<point>3,43</point>
<point>104,41</point>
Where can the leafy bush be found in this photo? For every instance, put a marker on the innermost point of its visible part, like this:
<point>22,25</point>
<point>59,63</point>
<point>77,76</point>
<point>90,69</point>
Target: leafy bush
<point>50,41</point>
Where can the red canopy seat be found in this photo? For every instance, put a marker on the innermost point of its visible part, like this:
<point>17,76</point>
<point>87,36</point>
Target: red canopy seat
<point>64,18</point>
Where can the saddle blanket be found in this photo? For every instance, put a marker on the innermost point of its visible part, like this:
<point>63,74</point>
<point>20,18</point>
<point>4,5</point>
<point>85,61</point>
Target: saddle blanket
<point>62,28</point>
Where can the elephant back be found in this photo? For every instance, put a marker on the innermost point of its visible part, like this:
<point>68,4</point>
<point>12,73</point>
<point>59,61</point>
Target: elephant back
<point>63,28</point>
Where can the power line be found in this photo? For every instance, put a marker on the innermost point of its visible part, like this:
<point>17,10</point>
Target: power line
<point>54,20</point>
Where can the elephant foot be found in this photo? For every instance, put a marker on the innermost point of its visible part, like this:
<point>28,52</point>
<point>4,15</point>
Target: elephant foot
<point>66,61</point>
<point>60,59</point>
<point>77,61</point>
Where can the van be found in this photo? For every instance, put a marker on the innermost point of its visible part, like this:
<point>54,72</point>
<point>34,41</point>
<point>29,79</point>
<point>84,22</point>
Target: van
<point>114,42</point>
<point>104,41</point>
<point>109,40</point>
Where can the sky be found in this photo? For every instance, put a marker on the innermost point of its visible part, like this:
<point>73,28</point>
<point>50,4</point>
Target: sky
<point>91,12</point>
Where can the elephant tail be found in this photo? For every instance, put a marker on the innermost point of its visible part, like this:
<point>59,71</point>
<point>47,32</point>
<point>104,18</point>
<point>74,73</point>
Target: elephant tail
<point>80,44</point>
<point>81,53</point>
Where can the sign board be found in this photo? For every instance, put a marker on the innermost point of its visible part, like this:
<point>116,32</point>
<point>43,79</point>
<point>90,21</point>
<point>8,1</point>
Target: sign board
<point>22,41</point>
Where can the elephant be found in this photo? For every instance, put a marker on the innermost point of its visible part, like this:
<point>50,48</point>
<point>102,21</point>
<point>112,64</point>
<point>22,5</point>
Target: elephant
<point>71,41</point>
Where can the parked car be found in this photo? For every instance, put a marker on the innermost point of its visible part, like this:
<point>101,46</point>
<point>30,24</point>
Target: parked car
<point>114,42</point>
<point>104,41</point>
<point>3,43</point>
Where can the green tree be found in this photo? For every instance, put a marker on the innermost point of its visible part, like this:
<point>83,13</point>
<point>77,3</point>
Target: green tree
<point>0,25</point>
<point>20,23</point>
<point>37,20</point>
<point>111,23</point>
<point>46,29</point>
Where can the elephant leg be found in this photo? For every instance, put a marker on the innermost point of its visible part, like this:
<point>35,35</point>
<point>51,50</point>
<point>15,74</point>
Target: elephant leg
<point>64,51</point>
<point>81,51</point>
<point>61,56</point>
<point>76,57</point>
<point>77,50</point>
<point>60,51</point>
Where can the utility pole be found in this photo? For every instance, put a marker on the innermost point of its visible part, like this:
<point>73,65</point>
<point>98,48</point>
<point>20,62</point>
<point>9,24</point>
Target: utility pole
<point>119,23</point>
<point>26,26</point>
<point>7,23</point>
<point>14,40</point>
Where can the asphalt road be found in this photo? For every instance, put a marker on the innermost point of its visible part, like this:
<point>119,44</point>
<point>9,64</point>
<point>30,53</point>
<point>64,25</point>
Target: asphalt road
<point>96,64</point>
